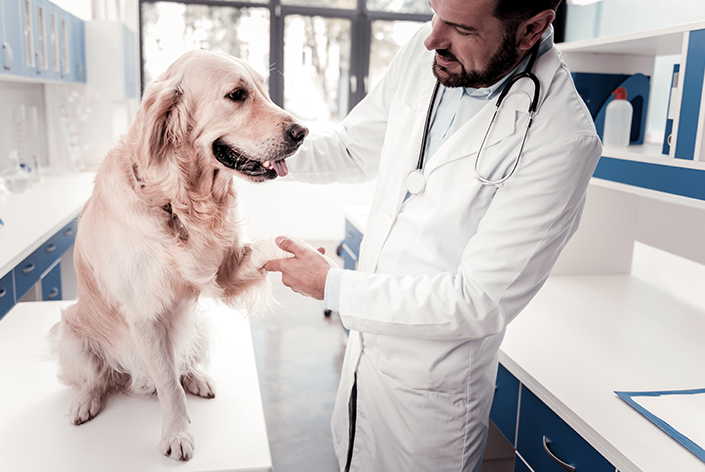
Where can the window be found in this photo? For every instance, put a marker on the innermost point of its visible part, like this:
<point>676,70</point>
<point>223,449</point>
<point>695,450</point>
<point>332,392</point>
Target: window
<point>320,57</point>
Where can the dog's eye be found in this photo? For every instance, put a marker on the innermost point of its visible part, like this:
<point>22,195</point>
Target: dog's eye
<point>237,95</point>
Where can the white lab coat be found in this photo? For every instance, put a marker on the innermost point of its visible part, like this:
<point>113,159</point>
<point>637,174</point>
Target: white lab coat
<point>443,273</point>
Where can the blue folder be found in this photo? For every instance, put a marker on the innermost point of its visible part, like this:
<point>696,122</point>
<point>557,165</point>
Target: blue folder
<point>675,434</point>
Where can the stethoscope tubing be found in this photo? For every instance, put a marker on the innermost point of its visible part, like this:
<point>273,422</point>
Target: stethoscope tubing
<point>415,179</point>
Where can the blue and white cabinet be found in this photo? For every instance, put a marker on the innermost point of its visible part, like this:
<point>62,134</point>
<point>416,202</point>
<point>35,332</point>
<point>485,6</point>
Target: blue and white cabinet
<point>40,41</point>
<point>682,171</point>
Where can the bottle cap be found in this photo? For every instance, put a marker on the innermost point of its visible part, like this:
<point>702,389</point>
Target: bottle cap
<point>620,93</point>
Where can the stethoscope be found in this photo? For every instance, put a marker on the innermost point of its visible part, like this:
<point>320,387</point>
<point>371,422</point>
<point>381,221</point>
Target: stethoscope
<point>415,180</point>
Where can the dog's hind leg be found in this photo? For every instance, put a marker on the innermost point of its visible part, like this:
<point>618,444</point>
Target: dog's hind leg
<point>80,367</point>
<point>152,337</point>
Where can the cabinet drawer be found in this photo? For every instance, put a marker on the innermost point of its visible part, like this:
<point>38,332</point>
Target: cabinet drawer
<point>28,272</point>
<point>352,240</point>
<point>65,238</point>
<point>51,284</point>
<point>536,422</point>
<point>519,465</point>
<point>505,403</point>
<point>7,294</point>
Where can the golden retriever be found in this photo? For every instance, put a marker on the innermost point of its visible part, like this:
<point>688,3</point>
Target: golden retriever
<point>162,228</point>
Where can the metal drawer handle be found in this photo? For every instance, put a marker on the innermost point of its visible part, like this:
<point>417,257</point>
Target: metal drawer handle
<point>28,269</point>
<point>68,232</point>
<point>566,466</point>
<point>54,293</point>
<point>51,248</point>
<point>2,292</point>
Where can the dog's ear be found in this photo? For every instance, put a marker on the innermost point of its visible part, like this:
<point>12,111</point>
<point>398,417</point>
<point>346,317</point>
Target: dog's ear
<point>165,121</point>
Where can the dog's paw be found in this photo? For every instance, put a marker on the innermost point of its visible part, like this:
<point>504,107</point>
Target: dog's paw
<point>178,446</point>
<point>84,408</point>
<point>198,384</point>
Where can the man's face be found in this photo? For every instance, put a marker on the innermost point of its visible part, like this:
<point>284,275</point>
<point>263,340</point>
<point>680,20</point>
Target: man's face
<point>472,47</point>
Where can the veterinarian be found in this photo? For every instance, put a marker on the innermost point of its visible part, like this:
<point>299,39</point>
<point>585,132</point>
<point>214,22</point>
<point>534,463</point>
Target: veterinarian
<point>444,268</point>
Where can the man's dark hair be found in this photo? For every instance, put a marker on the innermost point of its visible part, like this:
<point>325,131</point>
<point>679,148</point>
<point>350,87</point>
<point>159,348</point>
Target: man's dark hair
<point>514,12</point>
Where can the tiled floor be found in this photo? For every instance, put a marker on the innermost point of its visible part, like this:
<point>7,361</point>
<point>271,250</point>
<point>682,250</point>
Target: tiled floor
<point>299,354</point>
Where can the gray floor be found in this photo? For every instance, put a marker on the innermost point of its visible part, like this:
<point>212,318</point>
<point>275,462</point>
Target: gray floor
<point>299,354</point>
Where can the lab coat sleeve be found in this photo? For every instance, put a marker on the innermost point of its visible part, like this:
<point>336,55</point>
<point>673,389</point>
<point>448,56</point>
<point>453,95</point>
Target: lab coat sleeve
<point>503,265</point>
<point>350,152</point>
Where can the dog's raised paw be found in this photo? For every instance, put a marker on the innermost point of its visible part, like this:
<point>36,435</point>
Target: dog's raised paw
<point>84,408</point>
<point>198,384</point>
<point>178,446</point>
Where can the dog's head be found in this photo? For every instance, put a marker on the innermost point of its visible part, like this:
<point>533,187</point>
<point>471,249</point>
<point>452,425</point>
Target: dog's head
<point>214,108</point>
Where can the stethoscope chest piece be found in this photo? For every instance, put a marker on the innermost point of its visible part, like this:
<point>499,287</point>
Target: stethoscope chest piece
<point>415,182</point>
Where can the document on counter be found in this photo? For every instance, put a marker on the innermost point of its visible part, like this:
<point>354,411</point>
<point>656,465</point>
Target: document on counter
<point>680,413</point>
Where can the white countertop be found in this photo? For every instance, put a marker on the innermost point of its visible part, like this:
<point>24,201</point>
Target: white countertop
<point>32,217</point>
<point>584,337</point>
<point>35,433</point>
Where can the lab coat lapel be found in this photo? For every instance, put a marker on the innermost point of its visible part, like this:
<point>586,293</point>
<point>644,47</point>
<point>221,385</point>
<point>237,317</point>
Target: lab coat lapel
<point>466,141</point>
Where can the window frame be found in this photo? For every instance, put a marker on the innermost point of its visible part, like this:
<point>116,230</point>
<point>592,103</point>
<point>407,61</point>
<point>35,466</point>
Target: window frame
<point>361,31</point>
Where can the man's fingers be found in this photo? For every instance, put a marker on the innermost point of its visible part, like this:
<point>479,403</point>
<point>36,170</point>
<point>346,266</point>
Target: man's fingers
<point>287,244</point>
<point>322,250</point>
<point>274,266</point>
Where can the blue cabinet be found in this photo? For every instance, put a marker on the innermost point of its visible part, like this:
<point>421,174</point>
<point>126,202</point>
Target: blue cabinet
<point>79,48</point>
<point>13,38</point>
<point>51,284</point>
<point>34,267</point>
<point>543,440</point>
<point>7,294</point>
<point>504,406</point>
<point>351,246</point>
<point>41,41</point>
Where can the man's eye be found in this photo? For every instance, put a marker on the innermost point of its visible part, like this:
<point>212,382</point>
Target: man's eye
<point>237,95</point>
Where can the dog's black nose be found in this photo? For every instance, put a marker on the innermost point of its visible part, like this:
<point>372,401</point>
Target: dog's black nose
<point>297,133</point>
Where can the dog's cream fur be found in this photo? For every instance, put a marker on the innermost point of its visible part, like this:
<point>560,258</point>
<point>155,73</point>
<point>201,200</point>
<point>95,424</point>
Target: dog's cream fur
<point>161,229</point>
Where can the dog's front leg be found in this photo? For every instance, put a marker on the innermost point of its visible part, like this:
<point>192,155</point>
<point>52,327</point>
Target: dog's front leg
<point>155,346</point>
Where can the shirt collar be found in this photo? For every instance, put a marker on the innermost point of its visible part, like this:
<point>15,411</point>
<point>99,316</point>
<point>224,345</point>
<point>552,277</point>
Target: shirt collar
<point>488,93</point>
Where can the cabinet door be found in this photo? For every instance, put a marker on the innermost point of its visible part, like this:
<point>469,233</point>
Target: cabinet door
<point>51,284</point>
<point>13,55</point>
<point>29,27</point>
<point>505,403</point>
<point>54,41</point>
<point>7,294</point>
<point>41,39</point>
<point>545,441</point>
<point>77,49</point>
<point>65,53</point>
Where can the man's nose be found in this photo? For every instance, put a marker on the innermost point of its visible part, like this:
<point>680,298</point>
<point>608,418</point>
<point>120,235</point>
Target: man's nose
<point>437,39</point>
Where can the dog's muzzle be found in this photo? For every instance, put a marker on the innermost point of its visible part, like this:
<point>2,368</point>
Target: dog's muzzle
<point>262,169</point>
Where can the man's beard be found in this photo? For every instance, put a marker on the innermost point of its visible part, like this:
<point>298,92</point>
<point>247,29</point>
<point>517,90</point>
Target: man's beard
<point>500,64</point>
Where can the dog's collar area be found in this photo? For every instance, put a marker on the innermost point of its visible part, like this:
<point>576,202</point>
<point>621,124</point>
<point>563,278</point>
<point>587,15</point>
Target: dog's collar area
<point>232,159</point>
<point>175,223</point>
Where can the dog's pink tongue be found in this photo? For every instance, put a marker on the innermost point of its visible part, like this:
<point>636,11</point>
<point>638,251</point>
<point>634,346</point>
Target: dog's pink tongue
<point>280,167</point>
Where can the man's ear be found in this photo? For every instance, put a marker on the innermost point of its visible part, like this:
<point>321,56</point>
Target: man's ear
<point>530,31</point>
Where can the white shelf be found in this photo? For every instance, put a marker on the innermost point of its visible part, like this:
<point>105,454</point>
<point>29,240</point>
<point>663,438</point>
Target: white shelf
<point>658,42</point>
<point>649,153</point>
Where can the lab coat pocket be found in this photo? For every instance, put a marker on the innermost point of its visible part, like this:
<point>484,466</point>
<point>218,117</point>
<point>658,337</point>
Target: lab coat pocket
<point>401,143</point>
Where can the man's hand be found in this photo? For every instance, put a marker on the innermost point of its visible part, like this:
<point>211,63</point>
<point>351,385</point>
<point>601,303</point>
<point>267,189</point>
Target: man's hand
<point>306,272</point>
